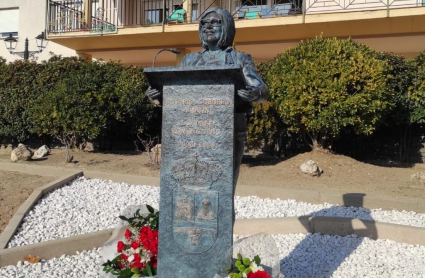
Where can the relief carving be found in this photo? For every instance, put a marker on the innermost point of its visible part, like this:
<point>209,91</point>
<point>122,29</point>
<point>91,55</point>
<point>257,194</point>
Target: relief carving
<point>196,173</point>
<point>195,235</point>
<point>184,208</point>
<point>206,212</point>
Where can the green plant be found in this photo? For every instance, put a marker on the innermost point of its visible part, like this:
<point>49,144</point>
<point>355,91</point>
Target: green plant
<point>72,109</point>
<point>323,86</point>
<point>137,221</point>
<point>246,268</point>
<point>138,252</point>
<point>265,128</point>
<point>400,73</point>
<point>17,92</point>
<point>418,92</point>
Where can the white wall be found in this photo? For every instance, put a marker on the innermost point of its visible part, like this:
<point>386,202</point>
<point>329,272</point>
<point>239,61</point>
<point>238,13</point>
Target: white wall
<point>32,18</point>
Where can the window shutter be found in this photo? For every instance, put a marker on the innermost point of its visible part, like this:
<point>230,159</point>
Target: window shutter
<point>9,21</point>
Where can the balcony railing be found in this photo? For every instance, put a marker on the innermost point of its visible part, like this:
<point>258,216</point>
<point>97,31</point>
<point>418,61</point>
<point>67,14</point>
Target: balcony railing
<point>75,15</point>
<point>106,16</point>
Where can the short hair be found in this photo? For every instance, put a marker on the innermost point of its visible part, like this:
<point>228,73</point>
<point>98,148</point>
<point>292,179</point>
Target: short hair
<point>228,27</point>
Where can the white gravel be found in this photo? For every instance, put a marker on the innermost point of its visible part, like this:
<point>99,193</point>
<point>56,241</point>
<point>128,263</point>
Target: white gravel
<point>85,206</point>
<point>311,255</point>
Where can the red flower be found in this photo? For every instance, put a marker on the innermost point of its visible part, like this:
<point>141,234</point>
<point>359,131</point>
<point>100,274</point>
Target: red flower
<point>120,246</point>
<point>258,274</point>
<point>135,244</point>
<point>124,257</point>
<point>137,264</point>
<point>149,239</point>
<point>127,234</point>
<point>120,265</point>
<point>144,230</point>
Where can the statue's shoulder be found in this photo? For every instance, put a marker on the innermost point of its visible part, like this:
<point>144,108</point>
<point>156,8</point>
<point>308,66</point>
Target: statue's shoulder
<point>191,59</point>
<point>243,57</point>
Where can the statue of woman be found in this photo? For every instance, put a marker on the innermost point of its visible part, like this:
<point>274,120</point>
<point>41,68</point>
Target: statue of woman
<point>217,32</point>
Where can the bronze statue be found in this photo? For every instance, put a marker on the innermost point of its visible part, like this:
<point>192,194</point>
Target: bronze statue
<point>217,32</point>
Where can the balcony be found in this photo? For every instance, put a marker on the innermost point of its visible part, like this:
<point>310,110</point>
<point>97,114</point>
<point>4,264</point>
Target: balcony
<point>133,31</point>
<point>107,16</point>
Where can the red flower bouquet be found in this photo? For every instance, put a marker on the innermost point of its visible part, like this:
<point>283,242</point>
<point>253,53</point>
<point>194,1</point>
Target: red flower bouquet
<point>138,252</point>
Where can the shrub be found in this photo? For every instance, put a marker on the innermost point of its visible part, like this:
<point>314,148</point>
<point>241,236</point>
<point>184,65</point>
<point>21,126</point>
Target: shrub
<point>265,127</point>
<point>323,86</point>
<point>400,73</point>
<point>17,91</point>
<point>418,93</point>
<point>83,100</point>
<point>72,108</point>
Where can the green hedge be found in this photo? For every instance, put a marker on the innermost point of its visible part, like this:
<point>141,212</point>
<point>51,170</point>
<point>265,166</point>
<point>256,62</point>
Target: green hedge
<point>69,96</point>
<point>324,88</point>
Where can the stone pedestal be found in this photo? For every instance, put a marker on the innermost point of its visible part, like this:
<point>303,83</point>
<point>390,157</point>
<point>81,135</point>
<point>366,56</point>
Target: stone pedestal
<point>196,198</point>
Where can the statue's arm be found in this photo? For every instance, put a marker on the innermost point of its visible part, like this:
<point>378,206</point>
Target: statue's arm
<point>184,61</point>
<point>256,88</point>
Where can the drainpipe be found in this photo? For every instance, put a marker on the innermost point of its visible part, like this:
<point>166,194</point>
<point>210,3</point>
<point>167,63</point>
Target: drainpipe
<point>304,8</point>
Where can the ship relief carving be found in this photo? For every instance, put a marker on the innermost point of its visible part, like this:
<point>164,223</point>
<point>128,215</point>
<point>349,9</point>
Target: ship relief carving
<point>196,173</point>
<point>195,219</point>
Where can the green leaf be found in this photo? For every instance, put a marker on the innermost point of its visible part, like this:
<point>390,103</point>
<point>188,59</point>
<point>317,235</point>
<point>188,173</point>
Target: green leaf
<point>148,269</point>
<point>257,260</point>
<point>150,209</point>
<point>239,257</point>
<point>135,270</point>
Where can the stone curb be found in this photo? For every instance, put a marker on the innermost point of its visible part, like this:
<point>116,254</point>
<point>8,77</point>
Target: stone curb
<point>309,196</point>
<point>55,248</point>
<point>50,171</point>
<point>305,224</point>
<point>15,222</point>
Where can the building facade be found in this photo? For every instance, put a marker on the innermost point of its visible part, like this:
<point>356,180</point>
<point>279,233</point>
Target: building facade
<point>26,19</point>
<point>133,31</point>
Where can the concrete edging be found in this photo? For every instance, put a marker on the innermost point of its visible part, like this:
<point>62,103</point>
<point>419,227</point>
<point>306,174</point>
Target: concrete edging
<point>305,224</point>
<point>16,221</point>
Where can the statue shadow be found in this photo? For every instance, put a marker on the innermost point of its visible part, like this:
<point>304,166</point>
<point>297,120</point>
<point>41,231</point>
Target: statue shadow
<point>321,258</point>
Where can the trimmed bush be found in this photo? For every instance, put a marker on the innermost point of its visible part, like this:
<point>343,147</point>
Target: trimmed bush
<point>75,100</point>
<point>323,86</point>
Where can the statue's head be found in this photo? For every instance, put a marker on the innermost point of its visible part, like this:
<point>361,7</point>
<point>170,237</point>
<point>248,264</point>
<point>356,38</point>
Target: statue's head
<point>216,26</point>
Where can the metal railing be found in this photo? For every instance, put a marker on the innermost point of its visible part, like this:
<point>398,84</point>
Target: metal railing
<point>75,15</point>
<point>105,16</point>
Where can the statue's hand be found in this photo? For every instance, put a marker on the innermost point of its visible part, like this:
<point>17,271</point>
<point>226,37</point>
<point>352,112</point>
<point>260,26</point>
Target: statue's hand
<point>249,94</point>
<point>153,94</point>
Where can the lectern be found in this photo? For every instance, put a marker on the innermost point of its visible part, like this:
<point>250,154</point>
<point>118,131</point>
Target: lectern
<point>196,193</point>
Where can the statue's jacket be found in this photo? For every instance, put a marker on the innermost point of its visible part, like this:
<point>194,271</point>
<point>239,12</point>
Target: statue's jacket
<point>233,57</point>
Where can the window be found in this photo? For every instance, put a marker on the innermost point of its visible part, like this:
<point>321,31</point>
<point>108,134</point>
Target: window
<point>154,16</point>
<point>9,22</point>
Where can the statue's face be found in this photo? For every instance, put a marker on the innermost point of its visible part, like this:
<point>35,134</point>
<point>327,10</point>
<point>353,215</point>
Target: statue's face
<point>211,29</point>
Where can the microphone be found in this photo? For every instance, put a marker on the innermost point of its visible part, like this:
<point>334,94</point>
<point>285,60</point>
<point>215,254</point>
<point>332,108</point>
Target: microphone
<point>175,51</point>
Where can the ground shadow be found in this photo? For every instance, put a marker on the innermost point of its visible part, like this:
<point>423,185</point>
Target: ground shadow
<point>38,159</point>
<point>321,259</point>
<point>261,160</point>
<point>389,163</point>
